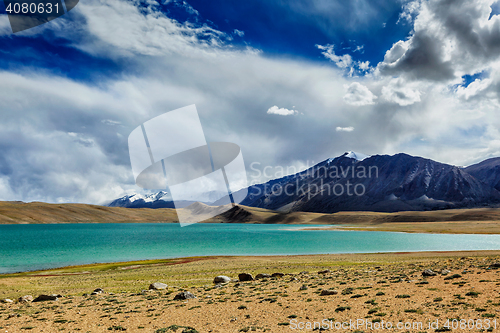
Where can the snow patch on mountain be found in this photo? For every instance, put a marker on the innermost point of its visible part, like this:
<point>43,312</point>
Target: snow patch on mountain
<point>356,156</point>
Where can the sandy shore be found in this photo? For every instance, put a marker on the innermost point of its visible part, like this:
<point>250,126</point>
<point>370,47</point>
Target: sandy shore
<point>374,289</point>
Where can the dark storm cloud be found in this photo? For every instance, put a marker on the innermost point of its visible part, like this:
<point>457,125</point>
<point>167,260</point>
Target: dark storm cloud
<point>451,38</point>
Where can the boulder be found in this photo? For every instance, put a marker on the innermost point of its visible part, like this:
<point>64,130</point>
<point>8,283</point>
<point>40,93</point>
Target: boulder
<point>262,276</point>
<point>97,291</point>
<point>245,277</point>
<point>157,286</point>
<point>6,301</point>
<point>222,279</point>
<point>303,287</point>
<point>324,271</point>
<point>25,299</point>
<point>184,295</point>
<point>495,265</point>
<point>327,292</point>
<point>429,272</point>
<point>278,275</point>
<point>445,272</point>
<point>41,298</point>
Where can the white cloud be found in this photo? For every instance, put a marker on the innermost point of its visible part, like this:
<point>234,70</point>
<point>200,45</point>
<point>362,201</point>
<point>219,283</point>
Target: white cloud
<point>364,65</point>
<point>239,32</point>
<point>5,28</point>
<point>281,111</point>
<point>400,92</point>
<point>344,129</point>
<point>343,61</point>
<point>146,31</point>
<point>358,95</point>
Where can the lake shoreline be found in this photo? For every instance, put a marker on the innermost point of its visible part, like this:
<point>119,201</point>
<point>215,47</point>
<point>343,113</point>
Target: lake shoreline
<point>136,264</point>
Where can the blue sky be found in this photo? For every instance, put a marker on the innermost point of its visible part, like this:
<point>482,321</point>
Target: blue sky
<point>274,27</point>
<point>291,82</point>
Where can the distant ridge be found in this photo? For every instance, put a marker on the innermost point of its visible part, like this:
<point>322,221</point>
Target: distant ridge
<point>402,183</point>
<point>398,183</point>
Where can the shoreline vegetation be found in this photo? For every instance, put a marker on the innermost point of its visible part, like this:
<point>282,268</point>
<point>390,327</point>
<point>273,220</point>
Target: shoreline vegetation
<point>264,294</point>
<point>453,221</point>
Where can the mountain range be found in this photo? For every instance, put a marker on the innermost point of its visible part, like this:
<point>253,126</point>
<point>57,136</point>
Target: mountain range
<point>357,182</point>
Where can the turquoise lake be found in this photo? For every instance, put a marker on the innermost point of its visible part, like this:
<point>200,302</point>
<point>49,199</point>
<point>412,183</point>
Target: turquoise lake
<point>42,246</point>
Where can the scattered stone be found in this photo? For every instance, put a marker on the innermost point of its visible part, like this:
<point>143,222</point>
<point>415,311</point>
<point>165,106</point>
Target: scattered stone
<point>429,272</point>
<point>184,295</point>
<point>445,272</point>
<point>278,275</point>
<point>326,292</point>
<point>7,301</point>
<point>245,277</point>
<point>262,276</point>
<point>324,271</point>
<point>41,298</point>
<point>222,279</point>
<point>157,286</point>
<point>25,299</point>
<point>97,291</point>
<point>303,287</point>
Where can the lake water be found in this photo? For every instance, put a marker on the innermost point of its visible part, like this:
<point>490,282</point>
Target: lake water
<point>41,246</point>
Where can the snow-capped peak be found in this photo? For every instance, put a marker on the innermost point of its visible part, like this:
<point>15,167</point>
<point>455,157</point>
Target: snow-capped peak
<point>356,156</point>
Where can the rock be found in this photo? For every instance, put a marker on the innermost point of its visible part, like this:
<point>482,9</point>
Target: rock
<point>157,286</point>
<point>326,292</point>
<point>97,292</point>
<point>293,279</point>
<point>304,273</point>
<point>245,277</point>
<point>445,272</point>
<point>324,271</point>
<point>278,275</point>
<point>7,301</point>
<point>25,299</point>
<point>41,298</point>
<point>429,272</point>
<point>184,295</point>
<point>13,315</point>
<point>495,265</point>
<point>303,287</point>
<point>262,276</point>
<point>222,279</point>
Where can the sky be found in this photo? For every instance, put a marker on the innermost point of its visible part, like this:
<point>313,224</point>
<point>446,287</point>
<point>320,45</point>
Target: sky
<point>291,82</point>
